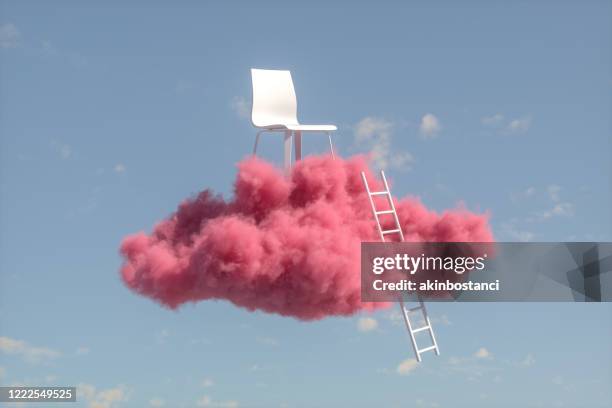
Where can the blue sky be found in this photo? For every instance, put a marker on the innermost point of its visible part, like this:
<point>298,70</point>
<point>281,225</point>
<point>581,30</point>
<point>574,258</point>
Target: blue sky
<point>112,113</point>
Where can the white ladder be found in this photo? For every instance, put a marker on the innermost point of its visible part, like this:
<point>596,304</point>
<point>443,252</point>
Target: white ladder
<point>398,230</point>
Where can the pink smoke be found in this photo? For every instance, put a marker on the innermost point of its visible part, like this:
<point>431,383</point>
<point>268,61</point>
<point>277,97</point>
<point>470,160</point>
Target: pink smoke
<point>286,245</point>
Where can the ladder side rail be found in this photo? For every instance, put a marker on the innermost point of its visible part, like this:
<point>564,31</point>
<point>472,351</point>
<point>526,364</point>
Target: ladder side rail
<point>390,198</point>
<point>428,322</point>
<point>367,187</point>
<point>410,331</point>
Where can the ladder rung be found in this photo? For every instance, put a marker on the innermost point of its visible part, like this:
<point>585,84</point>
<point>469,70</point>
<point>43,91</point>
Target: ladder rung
<point>391,231</point>
<point>384,212</point>
<point>413,309</point>
<point>427,349</point>
<point>379,193</point>
<point>420,329</point>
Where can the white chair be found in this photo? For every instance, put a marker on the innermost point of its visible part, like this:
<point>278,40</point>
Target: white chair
<point>275,110</point>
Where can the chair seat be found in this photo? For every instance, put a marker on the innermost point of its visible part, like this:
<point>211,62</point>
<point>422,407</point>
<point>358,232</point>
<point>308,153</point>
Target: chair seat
<point>312,128</point>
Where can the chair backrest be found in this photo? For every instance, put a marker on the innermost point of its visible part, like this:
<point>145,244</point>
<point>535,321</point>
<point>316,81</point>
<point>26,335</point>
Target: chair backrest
<point>274,100</point>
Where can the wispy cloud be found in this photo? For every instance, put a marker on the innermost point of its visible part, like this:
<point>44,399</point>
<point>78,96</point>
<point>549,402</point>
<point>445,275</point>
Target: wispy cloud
<point>206,401</point>
<point>10,36</point>
<point>551,205</point>
<point>63,150</point>
<point>529,192</point>
<point>559,210</point>
<point>157,403</point>
<point>511,230</point>
<point>420,402</point>
<point>50,379</point>
<point>183,86</point>
<point>499,122</point>
<point>106,398</point>
<point>207,382</point>
<point>367,324</point>
<point>528,361</point>
<point>430,126</point>
<point>49,49</point>
<point>30,353</point>
<point>407,366</point>
<point>162,336</point>
<point>553,192</point>
<point>267,341</point>
<point>81,351</point>
<point>559,207</point>
<point>483,353</point>
<point>375,134</point>
<point>241,106</point>
<point>120,168</point>
<point>519,125</point>
<point>493,120</point>
<point>558,380</point>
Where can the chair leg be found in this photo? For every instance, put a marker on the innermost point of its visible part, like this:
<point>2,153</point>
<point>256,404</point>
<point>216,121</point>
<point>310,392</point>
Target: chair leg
<point>297,136</point>
<point>288,140</point>
<point>331,146</point>
<point>256,143</point>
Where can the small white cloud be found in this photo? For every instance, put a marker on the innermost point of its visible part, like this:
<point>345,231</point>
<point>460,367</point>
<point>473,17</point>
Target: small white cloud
<point>493,120</point>
<point>527,361</point>
<point>456,360</point>
<point>559,210</point>
<point>65,151</point>
<point>374,134</point>
<point>519,125</point>
<point>183,86</point>
<point>9,36</point>
<point>162,336</point>
<point>372,128</point>
<point>206,401</point>
<point>498,122</point>
<point>443,319</point>
<point>49,49</point>
<point>517,234</point>
<point>407,366</point>
<point>241,106</point>
<point>119,168</point>
<point>157,403</point>
<point>523,195</point>
<point>395,317</point>
<point>207,382</point>
<point>430,126</point>
<point>366,324</point>
<point>558,380</point>
<point>81,351</point>
<point>483,353</point>
<point>107,398</point>
<point>553,192</point>
<point>425,403</point>
<point>267,341</point>
<point>29,353</point>
<point>401,160</point>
